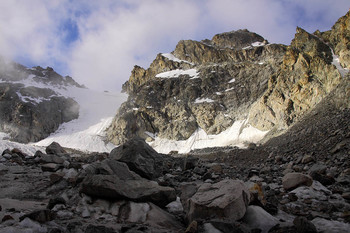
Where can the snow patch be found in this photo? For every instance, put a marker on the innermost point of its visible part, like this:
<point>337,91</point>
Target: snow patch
<point>343,71</point>
<point>203,100</point>
<point>232,80</point>
<point>193,73</point>
<point>173,58</point>
<point>237,135</point>
<point>230,89</point>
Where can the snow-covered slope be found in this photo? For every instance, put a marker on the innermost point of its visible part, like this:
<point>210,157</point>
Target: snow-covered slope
<point>87,132</point>
<point>237,135</point>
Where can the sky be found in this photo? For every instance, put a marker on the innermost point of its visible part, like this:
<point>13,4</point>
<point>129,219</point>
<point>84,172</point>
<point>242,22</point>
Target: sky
<point>99,42</point>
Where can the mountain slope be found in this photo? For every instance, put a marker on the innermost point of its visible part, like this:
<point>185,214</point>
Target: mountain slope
<point>234,83</point>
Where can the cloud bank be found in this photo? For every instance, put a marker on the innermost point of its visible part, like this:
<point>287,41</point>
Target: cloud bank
<point>99,42</point>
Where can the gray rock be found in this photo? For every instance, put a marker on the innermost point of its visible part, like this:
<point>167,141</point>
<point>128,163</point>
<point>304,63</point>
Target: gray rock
<point>113,180</point>
<point>55,149</point>
<point>51,167</point>
<point>140,158</point>
<point>227,199</point>
<point>294,180</point>
<point>303,225</point>
<point>257,217</point>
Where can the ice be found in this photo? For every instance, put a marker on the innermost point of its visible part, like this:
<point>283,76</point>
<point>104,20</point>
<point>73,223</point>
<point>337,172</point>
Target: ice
<point>237,135</point>
<point>203,100</point>
<point>173,58</point>
<point>176,73</point>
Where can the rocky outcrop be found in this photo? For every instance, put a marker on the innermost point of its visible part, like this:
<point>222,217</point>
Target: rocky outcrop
<point>237,75</point>
<point>207,85</point>
<point>339,39</point>
<point>29,113</point>
<point>307,76</point>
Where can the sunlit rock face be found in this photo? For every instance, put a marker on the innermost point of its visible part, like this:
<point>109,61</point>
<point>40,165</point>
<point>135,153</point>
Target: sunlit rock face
<point>208,85</point>
<point>237,75</point>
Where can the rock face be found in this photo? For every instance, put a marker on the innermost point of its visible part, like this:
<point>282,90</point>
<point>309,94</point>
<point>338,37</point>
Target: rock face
<point>307,76</point>
<point>208,84</point>
<point>29,113</point>
<point>234,76</point>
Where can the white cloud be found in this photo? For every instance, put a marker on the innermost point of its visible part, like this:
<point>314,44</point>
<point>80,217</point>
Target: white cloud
<point>113,41</point>
<point>116,35</point>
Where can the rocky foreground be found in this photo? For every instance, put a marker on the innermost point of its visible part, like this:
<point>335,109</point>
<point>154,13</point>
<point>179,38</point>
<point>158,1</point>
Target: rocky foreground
<point>281,186</point>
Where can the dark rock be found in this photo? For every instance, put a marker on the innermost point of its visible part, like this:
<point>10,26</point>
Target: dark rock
<point>55,149</point>
<point>323,179</point>
<point>303,225</point>
<point>99,229</point>
<point>51,167</point>
<point>227,226</point>
<point>140,158</point>
<point>55,201</point>
<point>51,158</point>
<point>6,218</point>
<point>113,180</point>
<point>40,216</point>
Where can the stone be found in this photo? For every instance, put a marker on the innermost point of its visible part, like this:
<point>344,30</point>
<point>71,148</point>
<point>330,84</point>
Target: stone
<point>307,159</point>
<point>294,180</point>
<point>55,149</point>
<point>303,225</point>
<point>113,180</point>
<point>99,229</point>
<point>257,217</point>
<point>227,199</point>
<point>50,158</point>
<point>140,158</point>
<point>51,167</point>
<point>40,216</point>
<point>192,227</point>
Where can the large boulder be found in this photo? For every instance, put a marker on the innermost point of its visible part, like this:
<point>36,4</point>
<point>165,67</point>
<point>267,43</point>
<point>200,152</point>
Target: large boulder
<point>295,179</point>
<point>140,158</point>
<point>227,199</point>
<point>111,179</point>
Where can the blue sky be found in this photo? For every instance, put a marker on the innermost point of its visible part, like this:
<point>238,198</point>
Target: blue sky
<point>99,42</point>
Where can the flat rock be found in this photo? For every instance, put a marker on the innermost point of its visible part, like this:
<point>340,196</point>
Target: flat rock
<point>225,199</point>
<point>294,180</point>
<point>111,179</point>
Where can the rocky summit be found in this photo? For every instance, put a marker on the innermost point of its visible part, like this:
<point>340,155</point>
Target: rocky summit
<point>30,108</point>
<point>296,179</point>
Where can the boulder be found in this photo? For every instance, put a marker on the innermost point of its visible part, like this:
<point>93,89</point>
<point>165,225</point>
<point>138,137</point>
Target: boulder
<point>294,180</point>
<point>140,158</point>
<point>55,149</point>
<point>257,217</point>
<point>227,199</point>
<point>111,179</point>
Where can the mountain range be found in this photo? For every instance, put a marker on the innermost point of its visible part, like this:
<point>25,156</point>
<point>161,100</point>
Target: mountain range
<point>229,134</point>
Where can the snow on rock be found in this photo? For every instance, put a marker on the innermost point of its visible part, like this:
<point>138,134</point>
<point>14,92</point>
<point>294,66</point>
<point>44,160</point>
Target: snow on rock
<point>173,58</point>
<point>237,135</point>
<point>343,71</point>
<point>176,73</point>
<point>203,100</point>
